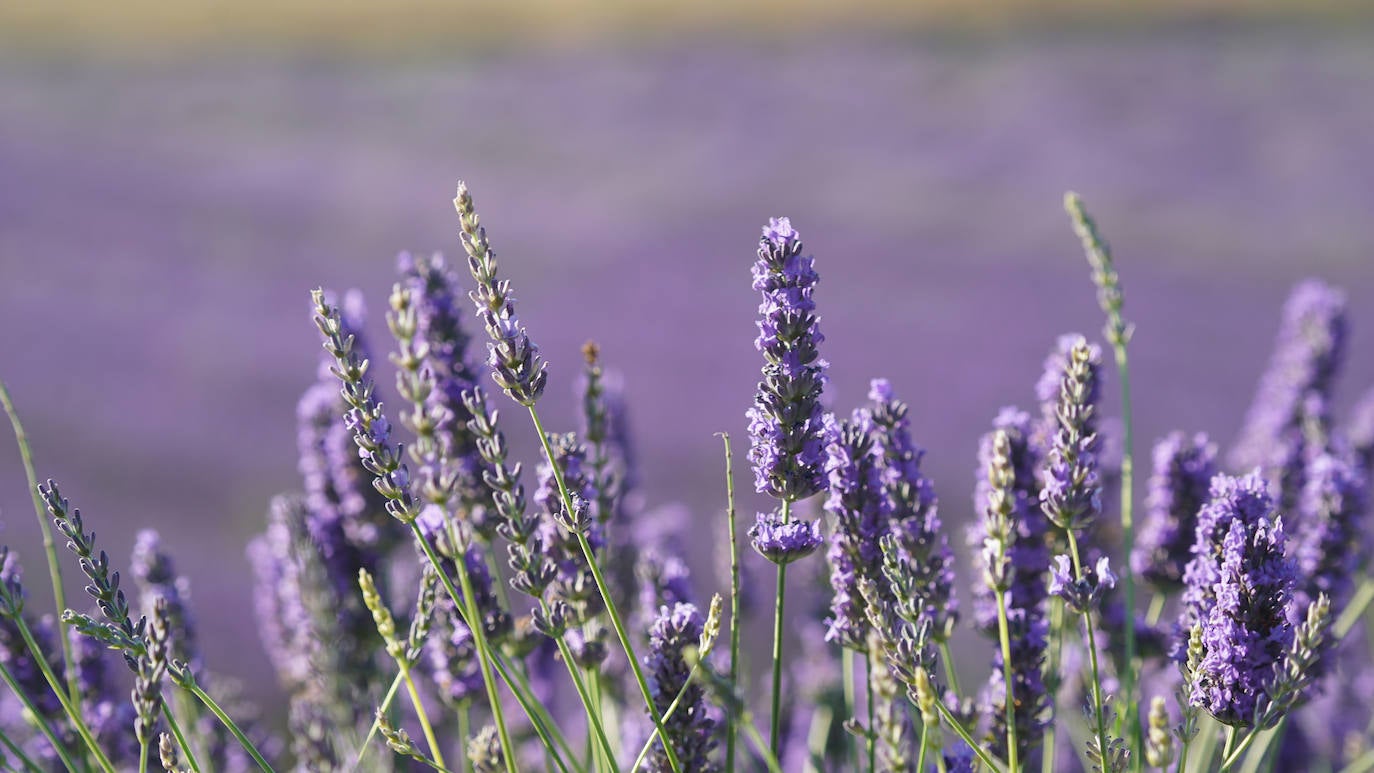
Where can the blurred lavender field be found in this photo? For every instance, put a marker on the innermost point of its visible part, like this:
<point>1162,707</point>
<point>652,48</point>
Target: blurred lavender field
<point>161,224</point>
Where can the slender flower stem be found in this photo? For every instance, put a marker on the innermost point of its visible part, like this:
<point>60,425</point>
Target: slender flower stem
<point>1156,609</point>
<point>730,728</point>
<point>992,762</point>
<point>19,753</point>
<point>1099,715</point>
<point>775,715</point>
<point>816,736</point>
<point>1052,677</point>
<point>868,694</point>
<point>1231,756</point>
<point>37,718</point>
<point>595,729</point>
<point>847,680</point>
<point>49,547</point>
<point>1226,752</point>
<point>384,708</point>
<point>925,740</point>
<point>950,673</point>
<point>143,756</point>
<point>770,760</point>
<point>672,708</point>
<point>175,727</point>
<point>1356,608</point>
<point>464,730</point>
<point>605,592</point>
<point>1183,757</point>
<point>231,725</point>
<point>467,602</point>
<point>73,712</point>
<point>1253,762</point>
<point>1361,764</point>
<point>1004,635</point>
<point>423,716</point>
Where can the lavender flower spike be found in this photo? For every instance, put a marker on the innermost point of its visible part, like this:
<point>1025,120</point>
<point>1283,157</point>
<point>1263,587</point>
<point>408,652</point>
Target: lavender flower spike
<point>514,360</point>
<point>857,503</point>
<point>1072,496</point>
<point>786,422</point>
<point>691,728</point>
<point>1331,548</point>
<point>1183,470</point>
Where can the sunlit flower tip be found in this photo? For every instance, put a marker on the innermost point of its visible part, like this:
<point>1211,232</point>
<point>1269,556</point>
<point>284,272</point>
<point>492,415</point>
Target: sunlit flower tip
<point>1080,595</point>
<point>880,390</point>
<point>779,231</point>
<point>782,543</point>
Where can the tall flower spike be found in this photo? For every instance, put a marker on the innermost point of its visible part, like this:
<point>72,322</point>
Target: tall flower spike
<point>157,579</point>
<point>857,502</point>
<point>1331,546</point>
<point>1178,487</point>
<point>674,642</point>
<point>1308,354</point>
<point>514,361</point>
<point>786,422</point>
<point>1072,494</point>
<point>1245,499</point>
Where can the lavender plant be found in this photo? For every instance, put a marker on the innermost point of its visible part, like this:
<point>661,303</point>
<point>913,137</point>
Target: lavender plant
<point>388,564</point>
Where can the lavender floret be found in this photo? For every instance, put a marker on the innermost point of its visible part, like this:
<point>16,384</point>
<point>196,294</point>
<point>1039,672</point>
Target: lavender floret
<point>1081,595</point>
<point>782,543</point>
<point>786,422</point>
<point>1178,487</point>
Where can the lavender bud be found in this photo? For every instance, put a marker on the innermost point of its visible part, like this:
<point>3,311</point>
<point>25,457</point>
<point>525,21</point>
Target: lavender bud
<point>1331,546</point>
<point>152,666</point>
<point>784,542</point>
<point>484,751</point>
<point>1080,595</point>
<point>786,421</point>
<point>1159,743</point>
<point>1072,496</point>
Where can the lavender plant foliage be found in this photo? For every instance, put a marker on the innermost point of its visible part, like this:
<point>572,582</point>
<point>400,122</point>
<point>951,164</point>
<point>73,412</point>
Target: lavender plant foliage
<point>786,422</point>
<point>690,729</point>
<point>1178,487</point>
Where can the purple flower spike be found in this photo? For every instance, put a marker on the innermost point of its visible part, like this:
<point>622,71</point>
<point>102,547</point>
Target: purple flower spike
<point>786,423</point>
<point>1072,494</point>
<point>1178,487</point>
<point>783,543</point>
<point>857,503</point>
<point>1330,544</point>
<point>691,729</point>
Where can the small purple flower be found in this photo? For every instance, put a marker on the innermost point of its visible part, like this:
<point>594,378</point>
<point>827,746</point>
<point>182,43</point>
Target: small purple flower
<point>1178,487</point>
<point>782,543</point>
<point>157,578</point>
<point>786,422</point>
<point>1080,595</point>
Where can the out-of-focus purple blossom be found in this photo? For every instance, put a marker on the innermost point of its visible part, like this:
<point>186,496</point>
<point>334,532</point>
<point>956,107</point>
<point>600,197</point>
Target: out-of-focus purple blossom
<point>1308,354</point>
<point>784,542</point>
<point>1072,493</point>
<point>957,760</point>
<point>858,504</point>
<point>922,570</point>
<point>156,576</point>
<point>664,580</point>
<point>1080,595</point>
<point>1028,632</point>
<point>1230,499</point>
<point>1028,554</point>
<point>1331,546</point>
<point>786,422</point>
<point>1178,487</point>
<point>451,655</point>
<point>19,661</point>
<point>1360,430</point>
<point>514,360</point>
<point>1246,632</point>
<point>606,429</point>
<point>690,729</point>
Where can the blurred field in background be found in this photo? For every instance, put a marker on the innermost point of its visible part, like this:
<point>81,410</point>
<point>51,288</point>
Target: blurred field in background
<point>174,178</point>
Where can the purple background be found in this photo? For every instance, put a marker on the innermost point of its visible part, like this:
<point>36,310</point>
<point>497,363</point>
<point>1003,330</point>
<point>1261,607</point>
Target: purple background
<point>161,224</point>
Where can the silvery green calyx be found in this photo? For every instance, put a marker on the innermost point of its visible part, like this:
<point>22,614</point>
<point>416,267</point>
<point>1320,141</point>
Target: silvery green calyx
<point>485,752</point>
<point>151,668</point>
<point>1301,666</point>
<point>371,430</point>
<point>514,360</point>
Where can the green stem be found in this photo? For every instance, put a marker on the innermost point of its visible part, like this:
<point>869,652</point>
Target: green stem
<point>422,715</point>
<point>925,740</point>
<point>175,727</point>
<point>143,756</point>
<point>769,758</point>
<point>49,546</point>
<point>1183,757</point>
<point>464,731</point>
<point>1156,609</point>
<point>817,735</point>
<point>37,719</point>
<point>775,715</point>
<point>950,674</point>
<point>868,694</point>
<point>73,713</point>
<point>1361,764</point>
<point>1356,608</point>
<point>1132,714</point>
<point>847,680</point>
<point>593,714</point>
<point>1233,753</point>
<point>1226,752</point>
<point>385,707</point>
<point>672,708</point>
<point>1052,680</point>
<point>1099,715</point>
<point>730,729</point>
<point>19,753</point>
<point>1253,762</point>
<point>992,762</point>
<point>1009,701</point>
<point>606,596</point>
<point>231,725</point>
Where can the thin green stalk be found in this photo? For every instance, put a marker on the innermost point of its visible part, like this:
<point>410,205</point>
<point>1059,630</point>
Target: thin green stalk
<point>1156,609</point>
<point>948,661</point>
<point>775,715</point>
<point>925,740</point>
<point>73,713</point>
<point>175,727</point>
<point>1226,752</point>
<point>606,596</point>
<point>49,546</point>
<point>769,758</point>
<point>1183,757</point>
<point>385,707</point>
<point>817,735</point>
<point>143,756</point>
<point>992,762</point>
<point>231,725</point>
<point>868,694</point>
<point>594,727</point>
<point>464,731</point>
<point>37,718</point>
<point>423,716</point>
<point>19,753</point>
<point>467,602</point>
<point>1208,746</point>
<point>1231,756</point>
<point>1361,764</point>
<point>1356,608</point>
<point>1052,678</point>
<point>1099,715</point>
<point>847,680</point>
<point>1004,636</point>
<point>672,708</point>
<point>1253,762</point>
<point>544,726</point>
<point>730,729</point>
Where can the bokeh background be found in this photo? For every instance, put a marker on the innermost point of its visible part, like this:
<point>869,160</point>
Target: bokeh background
<point>174,178</point>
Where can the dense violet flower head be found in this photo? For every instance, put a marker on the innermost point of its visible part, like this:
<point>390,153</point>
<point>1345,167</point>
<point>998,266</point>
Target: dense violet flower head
<point>1246,631</point>
<point>514,360</point>
<point>921,557</point>
<point>857,502</point>
<point>1072,493</point>
<point>786,422</point>
<point>1178,487</point>
<point>1331,546</point>
<point>691,728</point>
<point>1308,353</point>
<point>1245,499</point>
<point>783,543</point>
<point>1028,554</point>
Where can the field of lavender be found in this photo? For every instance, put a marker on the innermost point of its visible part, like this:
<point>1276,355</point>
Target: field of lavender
<point>161,228</point>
